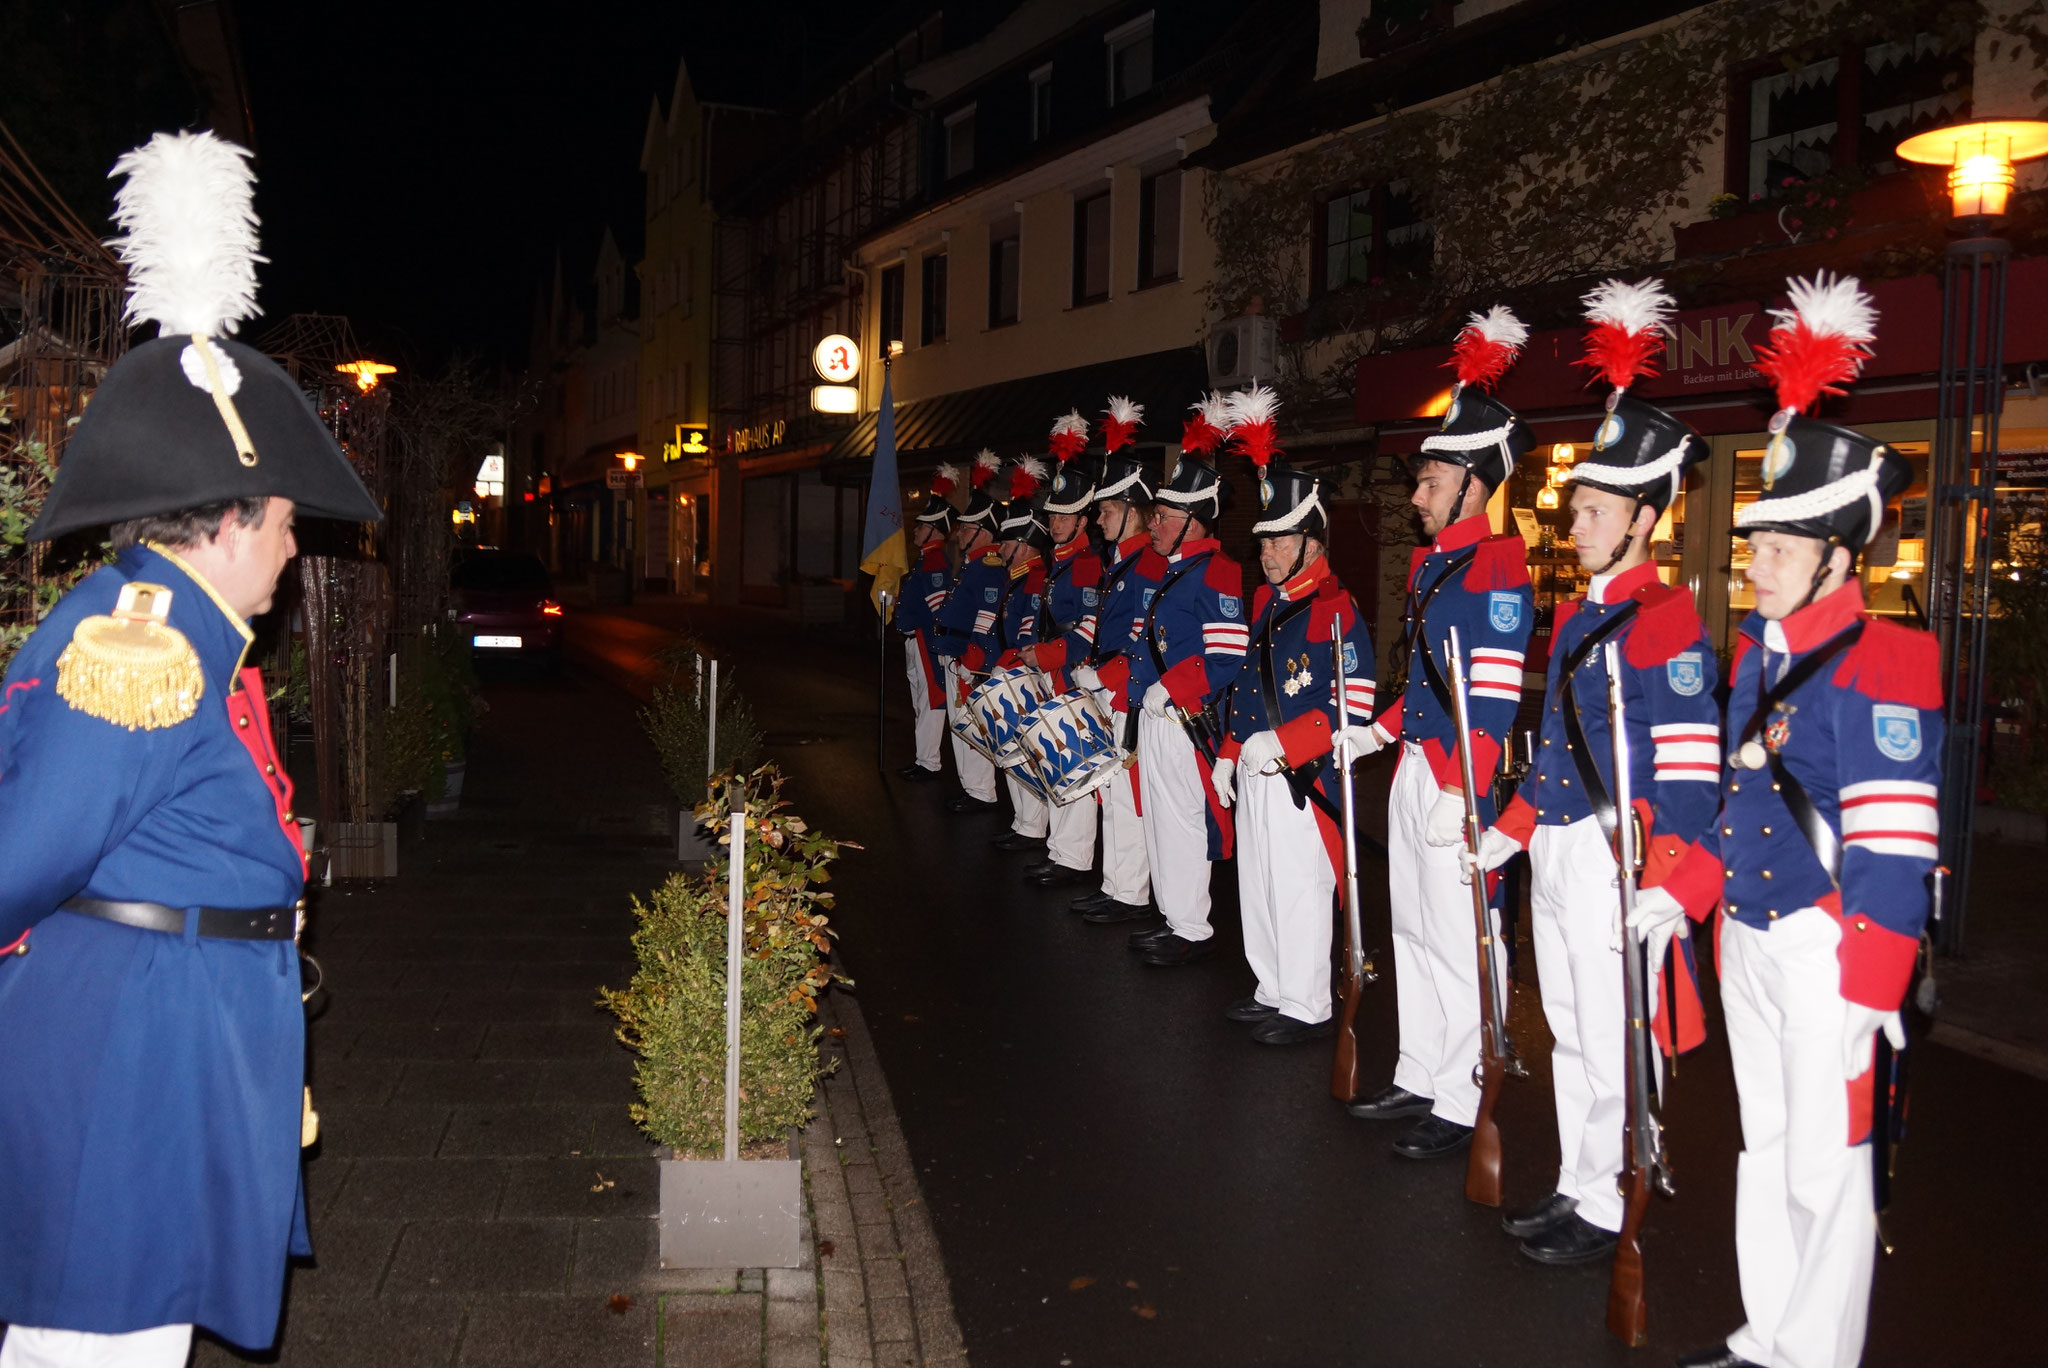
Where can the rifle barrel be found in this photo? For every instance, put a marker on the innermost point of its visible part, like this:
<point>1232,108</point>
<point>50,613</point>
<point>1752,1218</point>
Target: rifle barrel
<point>1483,1166</point>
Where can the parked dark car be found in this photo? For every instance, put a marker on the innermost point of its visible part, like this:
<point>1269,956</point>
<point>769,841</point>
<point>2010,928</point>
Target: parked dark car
<point>505,602</point>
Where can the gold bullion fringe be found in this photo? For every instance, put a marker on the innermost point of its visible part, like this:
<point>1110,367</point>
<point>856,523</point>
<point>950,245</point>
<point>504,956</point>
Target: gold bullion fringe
<point>138,675</point>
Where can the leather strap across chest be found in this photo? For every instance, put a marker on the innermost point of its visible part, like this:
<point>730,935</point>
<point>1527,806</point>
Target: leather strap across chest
<point>1301,779</point>
<point>1827,846</point>
<point>1152,613</point>
<point>1574,733</point>
<point>1418,608</point>
<point>1116,577</point>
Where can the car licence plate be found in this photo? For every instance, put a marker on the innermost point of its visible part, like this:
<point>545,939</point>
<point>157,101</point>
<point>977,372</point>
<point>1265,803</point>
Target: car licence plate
<point>497,642</point>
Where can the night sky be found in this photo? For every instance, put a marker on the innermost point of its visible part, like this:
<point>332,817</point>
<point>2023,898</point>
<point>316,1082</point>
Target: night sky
<point>418,162</point>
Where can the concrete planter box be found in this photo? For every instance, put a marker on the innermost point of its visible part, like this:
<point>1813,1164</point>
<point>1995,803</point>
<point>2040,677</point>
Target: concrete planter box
<point>744,1214</point>
<point>450,801</point>
<point>694,844</point>
<point>363,850</point>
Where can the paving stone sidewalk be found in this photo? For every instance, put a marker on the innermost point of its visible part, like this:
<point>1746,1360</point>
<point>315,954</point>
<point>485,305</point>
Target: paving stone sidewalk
<point>479,1195</point>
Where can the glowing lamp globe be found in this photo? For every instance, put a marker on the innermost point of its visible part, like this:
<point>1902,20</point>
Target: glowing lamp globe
<point>1980,157</point>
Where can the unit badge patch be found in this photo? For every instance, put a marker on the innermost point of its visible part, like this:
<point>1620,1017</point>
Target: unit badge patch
<point>1231,608</point>
<point>1687,673</point>
<point>1090,598</point>
<point>1350,659</point>
<point>1898,731</point>
<point>1504,611</point>
<point>989,596</point>
<point>1148,596</point>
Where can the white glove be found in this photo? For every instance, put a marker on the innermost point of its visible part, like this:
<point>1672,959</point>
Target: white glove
<point>1496,848</point>
<point>1259,751</point>
<point>1223,774</point>
<point>1086,678</point>
<point>1157,700</point>
<point>1355,743</point>
<point>1446,823</point>
<point>1658,918</point>
<point>1858,1028</point>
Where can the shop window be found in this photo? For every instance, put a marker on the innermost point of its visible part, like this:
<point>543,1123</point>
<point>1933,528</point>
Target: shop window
<point>1843,112</point>
<point>959,142</point>
<point>765,532</point>
<point>932,322</point>
<point>1091,249</point>
<point>1375,235</point>
<point>1159,227</point>
<point>1130,59</point>
<point>1041,103</point>
<point>891,316</point>
<point>1003,248</point>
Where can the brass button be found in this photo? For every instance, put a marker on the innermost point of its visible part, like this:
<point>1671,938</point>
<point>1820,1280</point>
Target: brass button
<point>1731,909</point>
<point>1727,831</point>
<point>1734,787</point>
<point>1546,740</point>
<point>270,769</point>
<point>1862,925</point>
<point>241,721</point>
<point>1766,830</point>
<point>288,817</point>
<point>1727,873</point>
<point>1539,812</point>
<point>1774,788</point>
<point>1767,873</point>
<point>1566,782</point>
<point>1773,914</point>
<point>1567,817</point>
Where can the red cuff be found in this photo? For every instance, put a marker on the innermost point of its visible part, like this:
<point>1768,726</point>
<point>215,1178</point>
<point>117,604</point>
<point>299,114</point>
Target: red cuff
<point>1695,881</point>
<point>1052,655</point>
<point>1389,721</point>
<point>971,658</point>
<point>1443,761</point>
<point>1115,675</point>
<point>1229,749</point>
<point>1188,682</point>
<point>1518,821</point>
<point>1009,659</point>
<point>1662,852</point>
<point>1305,738</point>
<point>1877,963</point>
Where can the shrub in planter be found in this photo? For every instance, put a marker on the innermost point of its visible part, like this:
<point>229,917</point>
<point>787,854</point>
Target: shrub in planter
<point>409,751</point>
<point>673,1013</point>
<point>675,721</point>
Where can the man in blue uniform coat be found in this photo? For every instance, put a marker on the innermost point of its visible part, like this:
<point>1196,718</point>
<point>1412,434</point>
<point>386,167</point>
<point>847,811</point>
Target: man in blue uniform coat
<point>149,987</point>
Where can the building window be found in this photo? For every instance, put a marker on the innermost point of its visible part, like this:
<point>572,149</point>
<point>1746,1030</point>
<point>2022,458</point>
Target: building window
<point>1845,112</point>
<point>1159,227</point>
<point>959,144</point>
<point>1130,59</point>
<point>1003,247</point>
<point>1091,248</point>
<point>1374,235</point>
<point>1041,103</point>
<point>932,325</point>
<point>892,306</point>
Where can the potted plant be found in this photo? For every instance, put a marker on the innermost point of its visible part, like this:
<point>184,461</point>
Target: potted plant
<point>678,719</point>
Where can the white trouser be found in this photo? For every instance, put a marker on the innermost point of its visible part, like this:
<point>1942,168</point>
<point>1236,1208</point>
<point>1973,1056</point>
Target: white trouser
<point>1574,907</point>
<point>1436,951</point>
<point>977,772</point>
<point>1029,813</point>
<point>1176,825</point>
<point>164,1346</point>
<point>1126,873</point>
<point>1287,891</point>
<point>929,726</point>
<point>1070,841</point>
<point>1805,1231</point>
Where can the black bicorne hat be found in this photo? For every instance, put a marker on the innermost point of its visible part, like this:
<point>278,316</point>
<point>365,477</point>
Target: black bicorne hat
<point>1825,481</point>
<point>1640,451</point>
<point>1196,486</point>
<point>1073,485</point>
<point>1132,474</point>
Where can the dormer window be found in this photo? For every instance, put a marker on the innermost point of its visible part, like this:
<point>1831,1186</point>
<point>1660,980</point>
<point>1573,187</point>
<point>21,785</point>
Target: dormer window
<point>1041,103</point>
<point>959,142</point>
<point>1130,59</point>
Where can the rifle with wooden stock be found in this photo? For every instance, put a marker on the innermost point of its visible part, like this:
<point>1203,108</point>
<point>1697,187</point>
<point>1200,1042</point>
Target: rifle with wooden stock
<point>1496,1050</point>
<point>1358,970</point>
<point>1643,1162</point>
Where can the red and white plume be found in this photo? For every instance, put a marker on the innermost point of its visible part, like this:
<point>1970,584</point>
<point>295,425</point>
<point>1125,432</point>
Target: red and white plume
<point>1120,423</point>
<point>1027,473</point>
<point>1205,431</point>
<point>986,464</point>
<point>1629,323</point>
<point>945,480</point>
<point>1821,342</point>
<point>1069,436</point>
<point>1251,424</point>
<point>1487,346</point>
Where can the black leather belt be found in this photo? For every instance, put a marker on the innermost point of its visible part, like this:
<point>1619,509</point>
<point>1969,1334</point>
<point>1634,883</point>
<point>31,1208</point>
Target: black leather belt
<point>215,923</point>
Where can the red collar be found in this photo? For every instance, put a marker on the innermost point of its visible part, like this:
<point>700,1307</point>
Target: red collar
<point>1304,584</point>
<point>1624,585</point>
<point>1461,534</point>
<point>1132,545</point>
<point>1816,622</point>
<point>1070,548</point>
<point>934,557</point>
<point>1025,566</point>
<point>1195,548</point>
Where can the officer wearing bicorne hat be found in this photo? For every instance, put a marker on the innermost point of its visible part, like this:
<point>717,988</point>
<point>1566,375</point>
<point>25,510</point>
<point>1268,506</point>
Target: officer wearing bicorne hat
<point>1477,582</point>
<point>981,581</point>
<point>1564,813</point>
<point>1189,649</point>
<point>1065,630</point>
<point>1826,840</point>
<point>924,592</point>
<point>1132,573</point>
<point>1003,628</point>
<point>150,865</point>
<point>1286,721</point>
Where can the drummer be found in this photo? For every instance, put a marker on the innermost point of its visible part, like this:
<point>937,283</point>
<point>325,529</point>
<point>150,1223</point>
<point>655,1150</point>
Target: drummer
<point>955,623</point>
<point>1003,625</point>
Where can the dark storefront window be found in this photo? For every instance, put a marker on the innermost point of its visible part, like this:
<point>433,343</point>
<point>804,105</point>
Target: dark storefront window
<point>1091,249</point>
<point>1374,235</point>
<point>764,532</point>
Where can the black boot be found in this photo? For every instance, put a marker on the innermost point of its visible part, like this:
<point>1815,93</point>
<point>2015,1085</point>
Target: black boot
<point>1113,912</point>
<point>1388,1103</point>
<point>1017,840</point>
<point>1145,938</point>
<point>1432,1138</point>
<point>1249,1009</point>
<point>1094,902</point>
<point>1170,951</point>
<point>1282,1029</point>
<point>1534,1220</point>
<point>1574,1240</point>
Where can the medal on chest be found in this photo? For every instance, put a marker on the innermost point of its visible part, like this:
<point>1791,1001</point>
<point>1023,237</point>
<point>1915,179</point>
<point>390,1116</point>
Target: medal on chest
<point>1298,676</point>
<point>1754,754</point>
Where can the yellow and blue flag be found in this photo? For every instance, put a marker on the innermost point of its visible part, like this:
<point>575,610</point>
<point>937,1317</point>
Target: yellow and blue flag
<point>885,546</point>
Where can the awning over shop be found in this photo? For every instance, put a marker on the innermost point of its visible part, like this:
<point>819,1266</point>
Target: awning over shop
<point>1709,376</point>
<point>1014,417</point>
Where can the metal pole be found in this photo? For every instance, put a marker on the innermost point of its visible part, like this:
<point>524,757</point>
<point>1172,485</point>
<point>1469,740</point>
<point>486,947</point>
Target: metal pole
<point>882,687</point>
<point>735,921</point>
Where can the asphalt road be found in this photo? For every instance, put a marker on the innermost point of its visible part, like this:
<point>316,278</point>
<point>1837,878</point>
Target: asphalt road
<point>1119,1177</point>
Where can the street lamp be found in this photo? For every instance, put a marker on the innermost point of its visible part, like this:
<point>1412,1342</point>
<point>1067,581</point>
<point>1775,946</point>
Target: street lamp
<point>1962,477</point>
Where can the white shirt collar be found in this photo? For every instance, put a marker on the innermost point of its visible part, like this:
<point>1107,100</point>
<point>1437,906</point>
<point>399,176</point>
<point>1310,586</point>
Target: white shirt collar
<point>1596,588</point>
<point>1774,637</point>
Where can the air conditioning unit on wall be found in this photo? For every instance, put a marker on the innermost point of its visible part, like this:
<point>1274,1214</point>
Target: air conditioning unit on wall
<point>1243,349</point>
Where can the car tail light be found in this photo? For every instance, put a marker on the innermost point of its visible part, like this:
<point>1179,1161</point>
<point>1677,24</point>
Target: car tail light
<point>550,608</point>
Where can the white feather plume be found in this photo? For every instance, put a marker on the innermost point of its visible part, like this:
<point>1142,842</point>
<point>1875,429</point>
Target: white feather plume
<point>1830,306</point>
<point>947,471</point>
<point>1071,421</point>
<point>1500,326</point>
<point>1033,467</point>
<point>1632,306</point>
<point>1216,409</point>
<point>1124,411</point>
<point>189,233</point>
<point>987,459</point>
<point>1255,405</point>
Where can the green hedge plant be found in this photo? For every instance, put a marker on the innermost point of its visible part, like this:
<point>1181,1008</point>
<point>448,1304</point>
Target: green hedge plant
<point>677,724</point>
<point>672,1015</point>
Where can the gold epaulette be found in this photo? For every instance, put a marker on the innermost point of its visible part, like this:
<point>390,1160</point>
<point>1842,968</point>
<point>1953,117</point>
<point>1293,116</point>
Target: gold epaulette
<point>992,557</point>
<point>132,669</point>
